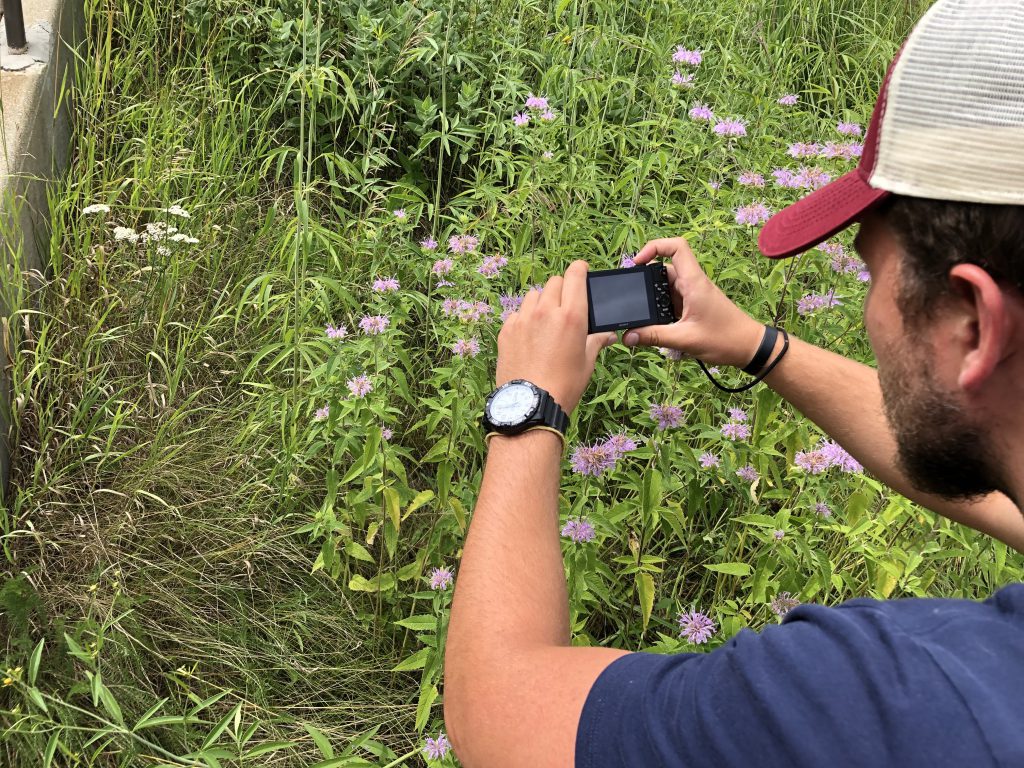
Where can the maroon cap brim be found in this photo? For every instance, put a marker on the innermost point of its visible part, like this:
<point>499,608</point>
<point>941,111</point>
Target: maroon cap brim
<point>816,217</point>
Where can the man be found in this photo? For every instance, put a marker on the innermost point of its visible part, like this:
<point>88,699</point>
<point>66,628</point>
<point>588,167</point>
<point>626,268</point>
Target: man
<point>939,196</point>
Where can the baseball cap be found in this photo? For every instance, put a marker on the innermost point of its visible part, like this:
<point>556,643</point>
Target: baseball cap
<point>948,124</point>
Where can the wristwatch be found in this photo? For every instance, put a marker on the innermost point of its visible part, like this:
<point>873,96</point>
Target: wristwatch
<point>518,405</point>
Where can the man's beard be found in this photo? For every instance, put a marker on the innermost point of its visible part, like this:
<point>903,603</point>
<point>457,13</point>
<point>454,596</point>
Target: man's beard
<point>939,449</point>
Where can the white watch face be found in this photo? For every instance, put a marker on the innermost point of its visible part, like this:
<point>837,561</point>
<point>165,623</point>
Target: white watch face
<point>513,404</point>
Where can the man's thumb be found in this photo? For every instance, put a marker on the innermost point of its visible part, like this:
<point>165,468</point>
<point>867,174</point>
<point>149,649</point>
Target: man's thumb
<point>647,336</point>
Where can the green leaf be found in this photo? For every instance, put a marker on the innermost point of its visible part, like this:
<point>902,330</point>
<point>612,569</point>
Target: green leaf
<point>270,746</point>
<point>33,663</point>
<point>733,569</point>
<point>321,741</point>
<point>393,506</point>
<point>417,661</point>
<point>645,588</point>
<point>383,582</point>
<point>421,498</point>
<point>358,551</point>
<point>421,623</point>
<point>427,697</point>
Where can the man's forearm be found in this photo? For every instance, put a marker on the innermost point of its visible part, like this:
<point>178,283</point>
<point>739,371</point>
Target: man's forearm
<point>844,398</point>
<point>510,591</point>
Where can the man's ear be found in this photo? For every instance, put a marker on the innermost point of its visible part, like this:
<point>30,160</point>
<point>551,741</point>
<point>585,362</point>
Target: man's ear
<point>985,329</point>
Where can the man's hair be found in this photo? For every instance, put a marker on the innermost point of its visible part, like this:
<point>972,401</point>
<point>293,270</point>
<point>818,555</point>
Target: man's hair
<point>938,234</point>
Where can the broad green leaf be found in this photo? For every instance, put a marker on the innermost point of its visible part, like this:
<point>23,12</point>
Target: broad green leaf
<point>733,569</point>
<point>421,623</point>
<point>417,661</point>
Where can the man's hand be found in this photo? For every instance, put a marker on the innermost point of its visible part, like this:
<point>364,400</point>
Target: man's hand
<point>546,341</point>
<point>711,327</point>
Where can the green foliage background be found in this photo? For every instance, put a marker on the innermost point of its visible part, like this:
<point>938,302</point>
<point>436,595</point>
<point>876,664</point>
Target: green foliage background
<point>198,572</point>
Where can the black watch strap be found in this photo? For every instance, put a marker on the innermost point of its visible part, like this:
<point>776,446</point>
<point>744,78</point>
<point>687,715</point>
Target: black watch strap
<point>552,413</point>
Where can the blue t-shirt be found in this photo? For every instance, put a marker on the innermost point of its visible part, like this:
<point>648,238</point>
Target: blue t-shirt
<point>909,682</point>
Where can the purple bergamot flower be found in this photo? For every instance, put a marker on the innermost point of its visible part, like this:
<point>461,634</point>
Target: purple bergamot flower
<point>580,531</point>
<point>372,325</point>
<point>783,603</point>
<point>440,578</point>
<point>696,627</point>
<point>666,416</point>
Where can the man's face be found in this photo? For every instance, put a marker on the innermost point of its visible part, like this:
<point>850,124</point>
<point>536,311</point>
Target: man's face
<point>941,447</point>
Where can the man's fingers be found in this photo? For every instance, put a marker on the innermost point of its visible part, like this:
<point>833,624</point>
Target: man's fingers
<point>598,341</point>
<point>663,246</point>
<point>574,289</point>
<point>655,336</point>
<point>532,297</point>
<point>552,294</point>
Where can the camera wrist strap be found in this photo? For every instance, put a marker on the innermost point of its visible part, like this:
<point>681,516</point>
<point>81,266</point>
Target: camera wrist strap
<point>770,332</point>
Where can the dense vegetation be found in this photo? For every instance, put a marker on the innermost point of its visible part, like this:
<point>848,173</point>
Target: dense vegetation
<point>235,503</point>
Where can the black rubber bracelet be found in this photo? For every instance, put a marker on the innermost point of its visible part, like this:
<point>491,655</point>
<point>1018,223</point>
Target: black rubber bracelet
<point>764,351</point>
<point>769,369</point>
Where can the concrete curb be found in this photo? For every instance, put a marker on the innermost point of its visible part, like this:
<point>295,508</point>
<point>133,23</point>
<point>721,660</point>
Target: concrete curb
<point>34,150</point>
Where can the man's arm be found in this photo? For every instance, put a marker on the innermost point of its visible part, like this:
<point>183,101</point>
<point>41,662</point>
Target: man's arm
<point>513,686</point>
<point>841,396</point>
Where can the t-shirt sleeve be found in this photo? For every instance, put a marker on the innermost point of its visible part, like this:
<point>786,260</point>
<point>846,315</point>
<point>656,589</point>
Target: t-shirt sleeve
<point>828,686</point>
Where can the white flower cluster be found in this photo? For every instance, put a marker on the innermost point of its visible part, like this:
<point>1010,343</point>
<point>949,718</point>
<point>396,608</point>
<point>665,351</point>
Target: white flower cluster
<point>155,230</point>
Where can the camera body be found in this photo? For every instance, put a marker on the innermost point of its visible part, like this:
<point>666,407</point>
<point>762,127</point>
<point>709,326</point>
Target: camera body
<point>631,297</point>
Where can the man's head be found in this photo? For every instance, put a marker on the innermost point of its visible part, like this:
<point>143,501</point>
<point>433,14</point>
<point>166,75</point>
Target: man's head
<point>945,315</point>
<point>939,190</point>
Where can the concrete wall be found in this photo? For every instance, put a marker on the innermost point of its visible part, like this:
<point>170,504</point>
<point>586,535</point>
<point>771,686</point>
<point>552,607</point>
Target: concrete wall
<point>34,150</point>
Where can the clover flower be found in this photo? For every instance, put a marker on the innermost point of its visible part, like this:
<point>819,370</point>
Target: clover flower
<point>666,416</point>
<point>708,460</point>
<point>849,129</point>
<point>812,302</point>
<point>702,112</point>
<point>753,214</point>
<point>593,459</point>
<point>683,56</point>
<point>783,603</point>
<point>580,531</point>
<point>440,578</point>
<point>339,332</point>
<point>437,748</point>
<point>521,119</point>
<point>747,473</point>
<point>730,128</point>
<point>466,347</point>
<point>696,627</point>
<point>386,285</point>
<point>751,179</point>
<point>360,386</point>
<point>428,244</point>
<point>492,265</point>
<point>373,325</point>
<point>801,149</point>
<point>787,100</point>
<point>96,208</point>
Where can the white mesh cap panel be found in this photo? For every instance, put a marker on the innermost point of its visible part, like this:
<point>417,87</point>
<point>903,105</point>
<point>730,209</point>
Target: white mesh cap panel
<point>953,126</point>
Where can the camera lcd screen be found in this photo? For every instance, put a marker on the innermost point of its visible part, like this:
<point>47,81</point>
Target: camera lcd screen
<point>621,298</point>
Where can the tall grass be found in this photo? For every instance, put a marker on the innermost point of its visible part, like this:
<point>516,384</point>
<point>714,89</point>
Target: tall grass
<point>197,571</point>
